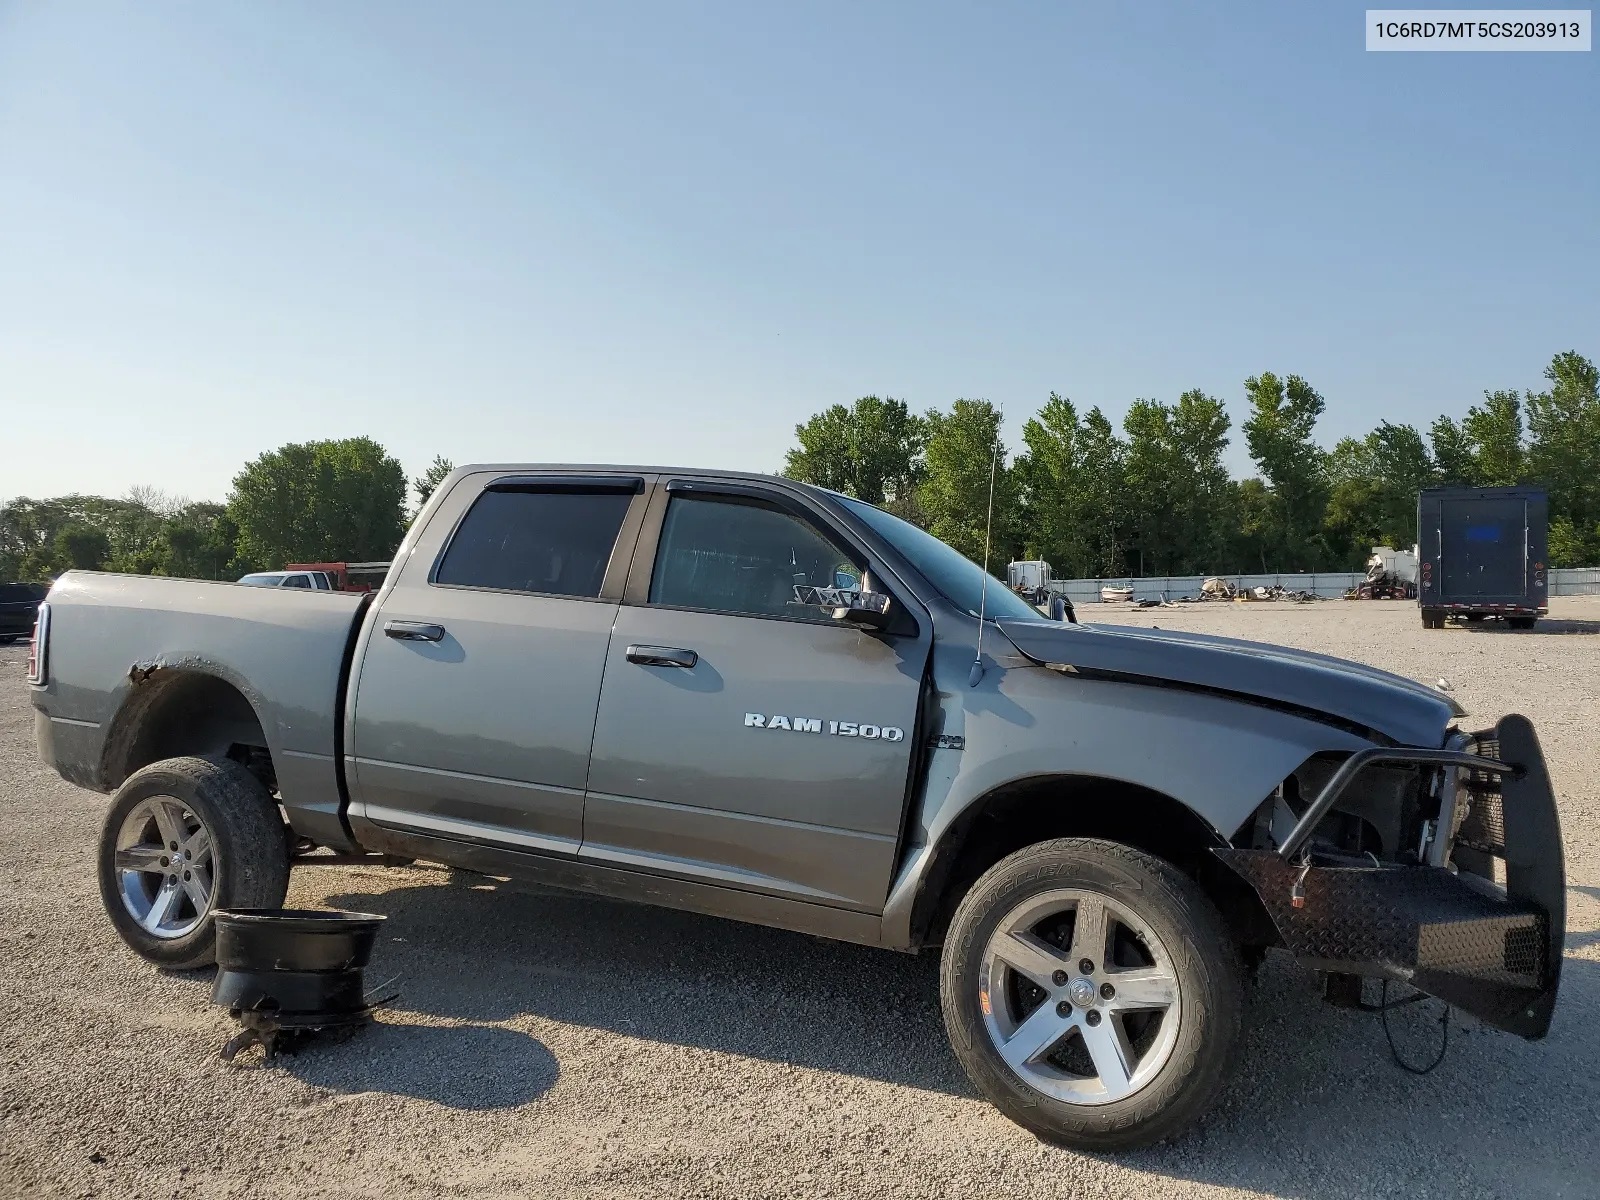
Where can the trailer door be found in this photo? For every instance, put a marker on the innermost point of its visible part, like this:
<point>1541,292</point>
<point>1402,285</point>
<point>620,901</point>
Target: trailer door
<point>1484,549</point>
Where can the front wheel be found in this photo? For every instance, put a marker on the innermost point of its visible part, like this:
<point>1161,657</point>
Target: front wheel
<point>1092,994</point>
<point>184,838</point>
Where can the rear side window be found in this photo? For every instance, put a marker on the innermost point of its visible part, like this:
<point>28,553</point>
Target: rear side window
<point>297,581</point>
<point>555,542</point>
<point>743,556</point>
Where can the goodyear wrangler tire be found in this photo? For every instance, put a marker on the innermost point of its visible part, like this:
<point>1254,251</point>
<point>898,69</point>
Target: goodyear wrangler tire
<point>1092,994</point>
<point>185,837</point>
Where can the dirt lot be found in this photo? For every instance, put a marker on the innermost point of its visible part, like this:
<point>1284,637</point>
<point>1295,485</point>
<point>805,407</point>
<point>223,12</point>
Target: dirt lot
<point>547,1045</point>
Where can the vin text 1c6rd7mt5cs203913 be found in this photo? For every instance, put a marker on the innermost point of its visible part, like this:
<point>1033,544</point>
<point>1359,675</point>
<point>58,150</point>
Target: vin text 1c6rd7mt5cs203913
<point>749,697</point>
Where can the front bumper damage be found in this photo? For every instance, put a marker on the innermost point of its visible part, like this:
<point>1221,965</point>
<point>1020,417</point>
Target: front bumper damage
<point>1484,930</point>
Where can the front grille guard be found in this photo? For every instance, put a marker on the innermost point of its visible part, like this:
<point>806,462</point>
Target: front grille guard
<point>1494,953</point>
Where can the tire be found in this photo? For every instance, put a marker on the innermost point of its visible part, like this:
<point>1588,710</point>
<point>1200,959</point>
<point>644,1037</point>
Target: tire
<point>243,861</point>
<point>1432,618</point>
<point>1521,622</point>
<point>1178,1061</point>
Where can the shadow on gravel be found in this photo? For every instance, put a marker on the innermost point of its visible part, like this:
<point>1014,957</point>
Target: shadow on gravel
<point>1545,625</point>
<point>479,950</point>
<point>461,1066</point>
<point>1316,1107</point>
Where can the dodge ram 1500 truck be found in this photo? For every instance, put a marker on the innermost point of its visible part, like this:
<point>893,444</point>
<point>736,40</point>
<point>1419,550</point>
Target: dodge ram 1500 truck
<point>753,698</point>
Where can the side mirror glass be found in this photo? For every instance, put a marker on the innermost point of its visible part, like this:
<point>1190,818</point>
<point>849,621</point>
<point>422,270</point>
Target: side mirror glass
<point>847,604</point>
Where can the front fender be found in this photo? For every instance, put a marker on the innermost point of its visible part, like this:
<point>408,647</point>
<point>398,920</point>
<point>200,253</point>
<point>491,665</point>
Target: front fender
<point>1216,756</point>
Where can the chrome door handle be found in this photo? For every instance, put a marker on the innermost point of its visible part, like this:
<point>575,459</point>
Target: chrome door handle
<point>413,631</point>
<point>662,656</point>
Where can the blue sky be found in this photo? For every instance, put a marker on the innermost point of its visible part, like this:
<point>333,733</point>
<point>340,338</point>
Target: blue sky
<point>667,232</point>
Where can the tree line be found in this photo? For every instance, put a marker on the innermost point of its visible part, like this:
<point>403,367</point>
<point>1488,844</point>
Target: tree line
<point>1155,498</point>
<point>328,501</point>
<point>1152,498</point>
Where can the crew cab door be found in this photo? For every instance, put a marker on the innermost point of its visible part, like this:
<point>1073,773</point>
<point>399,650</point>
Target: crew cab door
<point>480,673</point>
<point>742,739</point>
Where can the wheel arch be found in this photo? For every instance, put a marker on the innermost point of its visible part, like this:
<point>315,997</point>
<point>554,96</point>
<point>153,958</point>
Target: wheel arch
<point>1038,808</point>
<point>175,711</point>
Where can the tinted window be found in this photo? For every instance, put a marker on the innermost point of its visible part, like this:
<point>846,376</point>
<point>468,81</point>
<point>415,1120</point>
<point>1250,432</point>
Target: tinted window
<point>743,556</point>
<point>526,541</point>
<point>955,575</point>
<point>299,581</point>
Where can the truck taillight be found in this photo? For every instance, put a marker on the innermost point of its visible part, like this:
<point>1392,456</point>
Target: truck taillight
<point>39,647</point>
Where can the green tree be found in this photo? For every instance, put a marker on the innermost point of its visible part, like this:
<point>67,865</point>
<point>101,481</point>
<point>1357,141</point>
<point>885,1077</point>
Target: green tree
<point>1072,498</point>
<point>954,495</point>
<point>1494,431</point>
<point>1564,456</point>
<point>1373,486</point>
<point>1283,416</point>
<point>328,501</point>
<point>1179,493</point>
<point>871,450</point>
<point>82,548</point>
<point>1453,460</point>
<point>428,482</point>
<point>1257,524</point>
<point>1104,494</point>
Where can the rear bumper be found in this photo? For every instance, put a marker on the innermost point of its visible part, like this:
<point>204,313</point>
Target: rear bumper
<point>1508,609</point>
<point>1493,952</point>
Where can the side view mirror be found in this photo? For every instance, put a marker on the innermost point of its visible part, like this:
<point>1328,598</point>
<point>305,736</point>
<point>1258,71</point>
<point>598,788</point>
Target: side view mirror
<point>848,605</point>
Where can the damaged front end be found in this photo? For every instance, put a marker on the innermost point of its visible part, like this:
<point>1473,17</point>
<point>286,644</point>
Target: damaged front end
<point>1441,869</point>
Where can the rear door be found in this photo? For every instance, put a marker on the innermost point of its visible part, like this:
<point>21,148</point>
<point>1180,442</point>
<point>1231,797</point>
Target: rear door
<point>743,739</point>
<point>475,702</point>
<point>1484,548</point>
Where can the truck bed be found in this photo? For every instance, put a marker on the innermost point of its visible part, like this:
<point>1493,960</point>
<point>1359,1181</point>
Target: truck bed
<point>246,664</point>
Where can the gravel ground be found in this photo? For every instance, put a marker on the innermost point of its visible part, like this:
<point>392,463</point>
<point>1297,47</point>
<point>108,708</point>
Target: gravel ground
<point>546,1044</point>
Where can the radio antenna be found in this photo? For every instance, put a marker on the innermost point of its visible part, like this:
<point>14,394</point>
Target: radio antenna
<point>988,530</point>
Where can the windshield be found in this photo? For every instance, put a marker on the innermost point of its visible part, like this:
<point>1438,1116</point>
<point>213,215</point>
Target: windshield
<point>953,573</point>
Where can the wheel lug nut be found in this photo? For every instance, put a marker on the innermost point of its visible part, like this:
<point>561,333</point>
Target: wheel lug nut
<point>1086,965</point>
<point>1063,1009</point>
<point>173,847</point>
<point>1107,992</point>
<point>164,860</point>
<point>1092,1016</point>
<point>1059,978</point>
<point>186,877</point>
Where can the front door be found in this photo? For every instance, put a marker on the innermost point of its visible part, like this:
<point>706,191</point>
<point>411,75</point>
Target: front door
<point>743,739</point>
<point>475,702</point>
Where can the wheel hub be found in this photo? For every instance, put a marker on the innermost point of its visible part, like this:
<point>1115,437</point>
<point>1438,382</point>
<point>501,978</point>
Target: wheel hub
<point>1082,992</point>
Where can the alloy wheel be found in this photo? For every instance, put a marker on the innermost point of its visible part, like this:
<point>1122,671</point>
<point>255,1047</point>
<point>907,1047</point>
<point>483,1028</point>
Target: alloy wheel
<point>166,867</point>
<point>1079,997</point>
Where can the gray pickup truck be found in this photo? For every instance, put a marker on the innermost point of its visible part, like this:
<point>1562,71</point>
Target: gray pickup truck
<point>752,698</point>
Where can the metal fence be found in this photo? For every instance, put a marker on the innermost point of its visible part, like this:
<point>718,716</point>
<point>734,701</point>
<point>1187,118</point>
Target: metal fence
<point>1575,581</point>
<point>1571,581</point>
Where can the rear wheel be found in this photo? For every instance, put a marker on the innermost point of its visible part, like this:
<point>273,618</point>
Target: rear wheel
<point>183,838</point>
<point>1092,993</point>
<point>1432,618</point>
<point>1521,622</point>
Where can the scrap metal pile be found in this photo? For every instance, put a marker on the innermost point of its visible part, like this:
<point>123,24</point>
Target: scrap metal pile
<point>1217,588</point>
